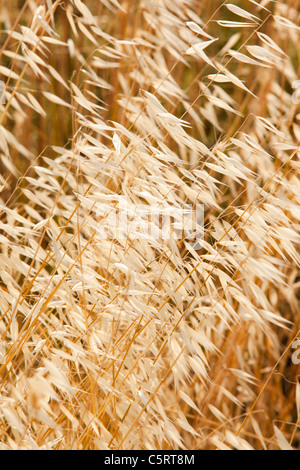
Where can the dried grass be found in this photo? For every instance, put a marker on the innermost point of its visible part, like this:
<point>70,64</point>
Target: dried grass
<point>132,343</point>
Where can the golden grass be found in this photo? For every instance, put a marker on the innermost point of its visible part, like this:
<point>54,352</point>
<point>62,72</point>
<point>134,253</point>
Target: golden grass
<point>127,342</point>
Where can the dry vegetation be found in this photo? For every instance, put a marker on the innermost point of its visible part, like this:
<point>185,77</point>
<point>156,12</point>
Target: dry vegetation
<point>134,343</point>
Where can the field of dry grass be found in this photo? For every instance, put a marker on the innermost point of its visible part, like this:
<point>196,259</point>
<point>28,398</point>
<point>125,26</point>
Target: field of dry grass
<point>117,340</point>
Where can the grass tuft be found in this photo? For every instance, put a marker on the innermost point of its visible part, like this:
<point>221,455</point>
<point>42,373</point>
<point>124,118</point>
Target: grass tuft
<point>111,338</point>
